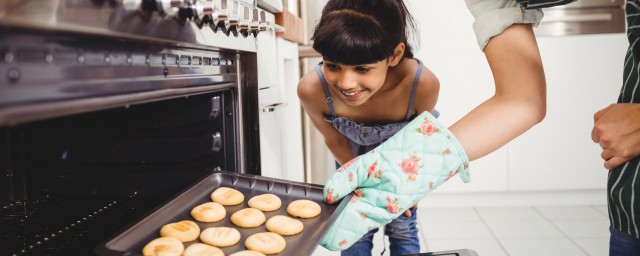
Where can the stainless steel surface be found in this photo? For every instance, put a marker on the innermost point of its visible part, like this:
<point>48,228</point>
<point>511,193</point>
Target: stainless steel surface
<point>591,3</point>
<point>583,17</point>
<point>189,23</point>
<point>64,57</point>
<point>22,114</point>
<point>561,22</point>
<point>45,76</point>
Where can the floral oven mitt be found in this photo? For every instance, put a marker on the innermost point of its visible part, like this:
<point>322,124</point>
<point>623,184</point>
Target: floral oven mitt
<point>392,178</point>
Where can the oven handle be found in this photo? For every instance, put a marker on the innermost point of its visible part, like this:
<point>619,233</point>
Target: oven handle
<point>274,107</point>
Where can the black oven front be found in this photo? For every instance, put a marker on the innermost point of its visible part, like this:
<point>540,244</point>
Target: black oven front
<point>109,108</point>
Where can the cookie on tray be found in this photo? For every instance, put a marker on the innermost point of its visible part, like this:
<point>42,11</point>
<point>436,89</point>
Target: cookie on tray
<point>200,249</point>
<point>265,202</point>
<point>163,246</point>
<point>185,231</point>
<point>247,253</point>
<point>209,212</point>
<point>227,196</point>
<point>266,242</point>
<point>284,225</point>
<point>220,236</point>
<point>248,218</point>
<point>303,208</point>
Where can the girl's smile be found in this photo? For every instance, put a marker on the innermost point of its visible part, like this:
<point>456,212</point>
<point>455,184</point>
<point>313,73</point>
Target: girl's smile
<point>352,95</point>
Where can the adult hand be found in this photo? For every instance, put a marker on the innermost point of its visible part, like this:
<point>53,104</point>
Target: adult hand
<point>392,178</point>
<point>617,129</point>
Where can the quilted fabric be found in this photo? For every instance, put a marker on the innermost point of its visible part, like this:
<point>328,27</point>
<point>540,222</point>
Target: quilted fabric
<point>392,178</point>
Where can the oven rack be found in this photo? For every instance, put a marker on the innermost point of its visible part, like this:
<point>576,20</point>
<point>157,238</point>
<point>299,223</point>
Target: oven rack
<point>62,225</point>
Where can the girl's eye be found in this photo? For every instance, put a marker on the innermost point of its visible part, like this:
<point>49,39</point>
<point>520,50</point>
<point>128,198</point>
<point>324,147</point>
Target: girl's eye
<point>331,66</point>
<point>362,69</point>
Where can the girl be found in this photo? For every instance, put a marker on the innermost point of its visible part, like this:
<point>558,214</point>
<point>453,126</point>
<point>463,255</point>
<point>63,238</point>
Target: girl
<point>367,87</point>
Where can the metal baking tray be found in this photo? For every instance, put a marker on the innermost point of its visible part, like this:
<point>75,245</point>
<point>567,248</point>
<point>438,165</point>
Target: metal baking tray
<point>131,240</point>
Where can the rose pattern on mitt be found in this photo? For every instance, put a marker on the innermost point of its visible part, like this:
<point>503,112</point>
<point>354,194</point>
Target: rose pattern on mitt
<point>391,178</point>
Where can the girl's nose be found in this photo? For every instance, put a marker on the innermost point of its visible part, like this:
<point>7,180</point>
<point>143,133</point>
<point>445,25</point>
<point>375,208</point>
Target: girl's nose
<point>347,83</point>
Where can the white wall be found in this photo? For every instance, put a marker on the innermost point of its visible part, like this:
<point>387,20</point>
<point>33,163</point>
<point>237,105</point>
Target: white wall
<point>554,155</point>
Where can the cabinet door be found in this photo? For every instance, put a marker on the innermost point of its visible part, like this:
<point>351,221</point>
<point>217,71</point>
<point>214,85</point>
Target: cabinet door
<point>267,55</point>
<point>271,137</point>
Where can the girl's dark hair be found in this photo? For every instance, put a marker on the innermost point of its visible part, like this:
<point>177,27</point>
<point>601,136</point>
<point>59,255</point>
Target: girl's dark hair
<point>354,32</point>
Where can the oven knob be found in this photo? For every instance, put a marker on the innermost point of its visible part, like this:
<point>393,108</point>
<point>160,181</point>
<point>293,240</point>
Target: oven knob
<point>206,13</point>
<point>262,26</point>
<point>254,27</point>
<point>163,7</point>
<point>222,21</point>
<point>245,22</point>
<point>189,11</point>
<point>233,18</point>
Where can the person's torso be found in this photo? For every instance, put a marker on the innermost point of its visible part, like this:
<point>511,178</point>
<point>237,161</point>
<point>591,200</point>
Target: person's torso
<point>366,136</point>
<point>623,186</point>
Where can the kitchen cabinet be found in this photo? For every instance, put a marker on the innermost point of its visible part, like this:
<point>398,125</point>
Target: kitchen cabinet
<point>280,121</point>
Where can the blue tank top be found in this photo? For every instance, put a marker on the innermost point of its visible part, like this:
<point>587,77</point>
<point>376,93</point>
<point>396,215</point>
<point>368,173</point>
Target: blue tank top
<point>363,138</point>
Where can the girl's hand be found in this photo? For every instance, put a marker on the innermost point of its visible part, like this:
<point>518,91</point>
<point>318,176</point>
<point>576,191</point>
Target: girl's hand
<point>408,212</point>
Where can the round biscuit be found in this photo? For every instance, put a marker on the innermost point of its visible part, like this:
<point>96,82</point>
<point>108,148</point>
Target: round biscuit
<point>247,253</point>
<point>220,236</point>
<point>265,202</point>
<point>185,231</point>
<point>266,242</point>
<point>200,249</point>
<point>248,218</point>
<point>303,208</point>
<point>168,246</point>
<point>284,225</point>
<point>209,212</point>
<point>227,196</point>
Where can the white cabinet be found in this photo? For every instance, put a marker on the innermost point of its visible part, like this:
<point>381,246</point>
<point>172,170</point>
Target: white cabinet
<point>280,123</point>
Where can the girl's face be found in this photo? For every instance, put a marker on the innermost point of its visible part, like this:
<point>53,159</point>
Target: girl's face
<point>355,84</point>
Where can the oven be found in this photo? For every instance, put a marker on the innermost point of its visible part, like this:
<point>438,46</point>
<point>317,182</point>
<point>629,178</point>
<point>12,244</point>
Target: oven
<point>108,109</point>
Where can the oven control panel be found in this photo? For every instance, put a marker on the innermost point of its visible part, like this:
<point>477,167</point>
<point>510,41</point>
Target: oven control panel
<point>221,24</point>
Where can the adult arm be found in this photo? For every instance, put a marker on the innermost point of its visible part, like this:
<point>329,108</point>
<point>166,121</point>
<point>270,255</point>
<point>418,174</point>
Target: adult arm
<point>519,101</point>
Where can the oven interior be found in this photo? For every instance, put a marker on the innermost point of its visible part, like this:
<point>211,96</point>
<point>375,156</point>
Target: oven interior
<point>68,183</point>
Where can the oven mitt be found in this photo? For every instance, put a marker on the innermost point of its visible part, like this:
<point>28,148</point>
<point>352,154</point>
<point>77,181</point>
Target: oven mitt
<point>392,178</point>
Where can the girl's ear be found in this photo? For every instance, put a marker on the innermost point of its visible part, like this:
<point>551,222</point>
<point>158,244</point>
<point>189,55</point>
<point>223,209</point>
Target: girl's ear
<point>398,53</point>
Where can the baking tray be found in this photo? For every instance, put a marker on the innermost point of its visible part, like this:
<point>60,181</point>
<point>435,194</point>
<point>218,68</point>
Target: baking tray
<point>134,238</point>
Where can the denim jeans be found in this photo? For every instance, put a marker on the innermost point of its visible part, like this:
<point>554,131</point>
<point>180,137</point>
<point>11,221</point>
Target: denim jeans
<point>623,244</point>
<point>403,236</point>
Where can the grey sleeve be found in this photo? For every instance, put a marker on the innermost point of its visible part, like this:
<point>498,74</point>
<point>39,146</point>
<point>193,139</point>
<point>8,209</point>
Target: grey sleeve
<point>494,16</point>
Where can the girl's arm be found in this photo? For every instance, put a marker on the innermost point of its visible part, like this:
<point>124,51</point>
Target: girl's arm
<point>313,103</point>
<point>519,101</point>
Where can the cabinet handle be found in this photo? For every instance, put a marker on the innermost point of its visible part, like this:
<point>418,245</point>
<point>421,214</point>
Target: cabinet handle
<point>274,107</point>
